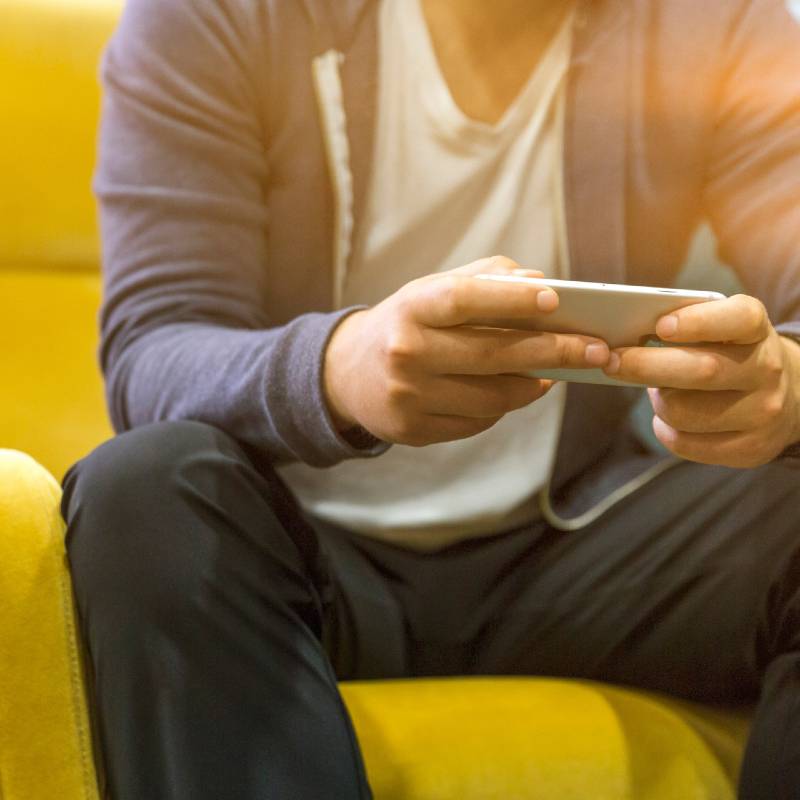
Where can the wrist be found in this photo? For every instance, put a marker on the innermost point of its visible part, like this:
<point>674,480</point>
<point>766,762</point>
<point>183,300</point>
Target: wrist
<point>337,375</point>
<point>792,349</point>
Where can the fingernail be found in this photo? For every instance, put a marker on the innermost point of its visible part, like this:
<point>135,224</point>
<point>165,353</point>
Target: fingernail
<point>547,300</point>
<point>613,364</point>
<point>526,272</point>
<point>667,326</point>
<point>596,354</point>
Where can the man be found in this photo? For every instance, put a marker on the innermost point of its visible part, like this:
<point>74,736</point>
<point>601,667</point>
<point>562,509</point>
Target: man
<point>326,473</point>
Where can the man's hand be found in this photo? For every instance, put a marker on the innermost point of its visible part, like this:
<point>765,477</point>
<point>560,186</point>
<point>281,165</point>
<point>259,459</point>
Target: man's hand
<point>410,370</point>
<point>733,401</point>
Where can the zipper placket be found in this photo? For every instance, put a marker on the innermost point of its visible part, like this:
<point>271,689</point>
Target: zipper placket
<point>549,514</point>
<point>326,70</point>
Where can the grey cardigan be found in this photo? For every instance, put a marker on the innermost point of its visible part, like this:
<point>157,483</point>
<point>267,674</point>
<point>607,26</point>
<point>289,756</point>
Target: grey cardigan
<point>218,213</point>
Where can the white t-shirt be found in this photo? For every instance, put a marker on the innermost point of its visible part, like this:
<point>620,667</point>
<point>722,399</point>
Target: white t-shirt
<point>447,190</point>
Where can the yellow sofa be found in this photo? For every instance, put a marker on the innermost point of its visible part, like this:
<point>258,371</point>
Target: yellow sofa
<point>52,402</point>
<point>453,739</point>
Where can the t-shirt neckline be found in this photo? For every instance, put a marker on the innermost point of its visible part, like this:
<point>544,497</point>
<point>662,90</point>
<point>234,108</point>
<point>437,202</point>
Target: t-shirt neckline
<point>438,100</point>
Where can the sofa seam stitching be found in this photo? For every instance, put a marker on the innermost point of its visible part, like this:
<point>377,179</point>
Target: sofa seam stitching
<point>70,628</point>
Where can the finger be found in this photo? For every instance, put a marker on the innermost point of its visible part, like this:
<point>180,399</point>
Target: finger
<point>700,367</point>
<point>705,412</point>
<point>739,319</point>
<point>495,265</point>
<point>483,397</point>
<point>480,351</point>
<point>740,450</point>
<point>451,299</point>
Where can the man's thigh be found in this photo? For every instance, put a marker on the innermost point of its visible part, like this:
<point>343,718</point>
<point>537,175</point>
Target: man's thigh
<point>667,591</point>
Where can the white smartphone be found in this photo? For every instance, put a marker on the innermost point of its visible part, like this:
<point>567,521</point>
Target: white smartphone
<point>621,315</point>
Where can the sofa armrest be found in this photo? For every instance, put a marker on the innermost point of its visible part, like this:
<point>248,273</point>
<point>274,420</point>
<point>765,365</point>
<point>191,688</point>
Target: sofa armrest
<point>45,741</point>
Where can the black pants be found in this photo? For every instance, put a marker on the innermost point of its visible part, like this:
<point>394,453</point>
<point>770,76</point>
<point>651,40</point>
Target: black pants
<point>218,619</point>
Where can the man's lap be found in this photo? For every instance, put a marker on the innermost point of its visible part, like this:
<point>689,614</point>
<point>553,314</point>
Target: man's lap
<point>667,591</point>
<point>679,588</point>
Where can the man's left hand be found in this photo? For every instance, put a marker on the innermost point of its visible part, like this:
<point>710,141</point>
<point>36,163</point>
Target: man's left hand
<point>733,400</point>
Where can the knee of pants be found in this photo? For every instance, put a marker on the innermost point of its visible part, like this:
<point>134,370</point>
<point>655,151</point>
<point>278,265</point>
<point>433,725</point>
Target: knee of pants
<point>139,542</point>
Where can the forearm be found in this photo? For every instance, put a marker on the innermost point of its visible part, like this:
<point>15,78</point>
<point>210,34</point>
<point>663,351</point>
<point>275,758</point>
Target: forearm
<point>263,387</point>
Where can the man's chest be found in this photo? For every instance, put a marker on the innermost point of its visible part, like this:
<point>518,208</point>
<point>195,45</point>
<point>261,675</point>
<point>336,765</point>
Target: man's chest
<point>486,60</point>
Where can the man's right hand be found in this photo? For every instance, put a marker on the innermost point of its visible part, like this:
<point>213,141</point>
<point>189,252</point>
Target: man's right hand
<point>410,371</point>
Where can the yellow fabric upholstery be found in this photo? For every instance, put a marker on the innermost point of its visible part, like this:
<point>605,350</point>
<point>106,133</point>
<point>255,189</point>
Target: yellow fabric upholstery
<point>52,403</point>
<point>45,748</point>
<point>52,406</point>
<point>49,52</point>
<point>449,739</point>
<point>538,739</point>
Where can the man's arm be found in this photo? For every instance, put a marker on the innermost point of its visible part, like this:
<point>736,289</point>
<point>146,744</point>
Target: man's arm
<point>736,400</point>
<point>752,193</point>
<point>185,334</point>
<point>180,181</point>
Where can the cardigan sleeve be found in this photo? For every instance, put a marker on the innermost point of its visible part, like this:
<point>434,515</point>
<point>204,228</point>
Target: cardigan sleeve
<point>181,184</point>
<point>752,192</point>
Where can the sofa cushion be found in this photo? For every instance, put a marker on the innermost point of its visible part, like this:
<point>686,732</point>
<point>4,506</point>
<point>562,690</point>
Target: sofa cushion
<point>52,403</point>
<point>540,739</point>
<point>47,141</point>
